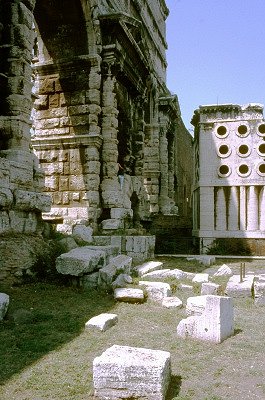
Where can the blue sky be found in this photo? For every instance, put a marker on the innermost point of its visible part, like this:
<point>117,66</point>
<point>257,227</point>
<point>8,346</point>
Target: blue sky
<point>216,52</point>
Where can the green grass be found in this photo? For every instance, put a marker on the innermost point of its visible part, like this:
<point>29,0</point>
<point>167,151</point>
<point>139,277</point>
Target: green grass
<point>49,355</point>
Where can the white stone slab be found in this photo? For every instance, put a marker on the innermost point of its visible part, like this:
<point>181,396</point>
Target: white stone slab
<point>129,295</point>
<point>259,292</point>
<point>124,372</point>
<point>156,290</point>
<point>195,305</point>
<point>235,288</point>
<point>172,302</point>
<point>214,325</point>
<point>166,273</point>
<point>223,270</point>
<point>199,278</point>
<point>185,288</point>
<point>148,267</point>
<point>102,322</point>
<point>210,288</point>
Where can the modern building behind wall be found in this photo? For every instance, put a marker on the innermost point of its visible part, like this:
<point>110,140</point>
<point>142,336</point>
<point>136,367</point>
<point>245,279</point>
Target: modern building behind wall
<point>105,129</point>
<point>229,196</point>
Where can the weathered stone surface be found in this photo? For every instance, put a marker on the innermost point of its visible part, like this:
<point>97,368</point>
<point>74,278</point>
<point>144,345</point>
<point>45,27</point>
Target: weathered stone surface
<point>148,267</point>
<point>199,278</point>
<point>129,295</point>
<point>121,281</point>
<point>235,288</point>
<point>259,291</point>
<point>124,372</point>
<point>68,243</point>
<point>80,261</point>
<point>90,281</point>
<point>214,325</point>
<point>166,273</point>
<point>172,302</point>
<point>102,322</point>
<point>4,303</point>
<point>82,234</point>
<point>210,288</point>
<point>156,291</point>
<point>195,305</point>
<point>223,270</point>
<point>203,259</point>
<point>117,265</point>
<point>185,288</point>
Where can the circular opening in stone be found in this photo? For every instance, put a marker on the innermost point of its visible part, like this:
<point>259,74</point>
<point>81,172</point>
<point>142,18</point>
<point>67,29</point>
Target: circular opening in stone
<point>262,129</point>
<point>262,169</point>
<point>242,129</point>
<point>262,148</point>
<point>224,170</point>
<point>221,130</point>
<point>243,169</point>
<point>243,149</point>
<point>223,149</point>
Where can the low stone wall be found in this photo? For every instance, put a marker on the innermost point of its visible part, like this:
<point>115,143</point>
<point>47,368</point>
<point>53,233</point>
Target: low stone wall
<point>140,248</point>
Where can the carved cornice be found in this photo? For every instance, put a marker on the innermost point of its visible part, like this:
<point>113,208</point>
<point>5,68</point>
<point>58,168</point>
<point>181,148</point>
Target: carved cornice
<point>67,142</point>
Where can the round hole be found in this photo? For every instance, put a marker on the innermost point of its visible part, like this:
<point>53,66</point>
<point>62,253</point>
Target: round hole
<point>223,149</point>
<point>262,169</point>
<point>262,148</point>
<point>262,129</point>
<point>223,169</point>
<point>242,129</point>
<point>221,130</point>
<point>243,169</point>
<point>243,149</point>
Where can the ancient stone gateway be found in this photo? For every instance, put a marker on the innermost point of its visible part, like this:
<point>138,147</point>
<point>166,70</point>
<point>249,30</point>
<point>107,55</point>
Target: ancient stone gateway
<point>83,89</point>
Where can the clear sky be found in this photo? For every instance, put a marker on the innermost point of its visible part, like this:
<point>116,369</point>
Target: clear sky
<point>216,52</point>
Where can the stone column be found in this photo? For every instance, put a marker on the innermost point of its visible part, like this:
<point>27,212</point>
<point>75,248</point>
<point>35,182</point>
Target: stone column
<point>242,209</point>
<point>138,144</point>
<point>163,149</point>
<point>220,210</point>
<point>261,209</point>
<point>252,209</point>
<point>233,209</point>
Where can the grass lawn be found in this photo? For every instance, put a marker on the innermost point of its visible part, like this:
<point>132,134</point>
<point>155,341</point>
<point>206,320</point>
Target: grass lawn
<point>45,353</point>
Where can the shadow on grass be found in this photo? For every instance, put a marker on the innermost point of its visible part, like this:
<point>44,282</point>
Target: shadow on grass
<point>174,387</point>
<point>42,317</point>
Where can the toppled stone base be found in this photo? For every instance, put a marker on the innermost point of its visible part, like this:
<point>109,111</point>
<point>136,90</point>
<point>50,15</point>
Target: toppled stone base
<point>235,288</point>
<point>102,322</point>
<point>214,325</point>
<point>123,372</point>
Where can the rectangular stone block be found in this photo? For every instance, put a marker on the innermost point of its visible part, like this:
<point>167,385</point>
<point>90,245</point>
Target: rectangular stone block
<point>235,288</point>
<point>102,322</point>
<point>124,372</point>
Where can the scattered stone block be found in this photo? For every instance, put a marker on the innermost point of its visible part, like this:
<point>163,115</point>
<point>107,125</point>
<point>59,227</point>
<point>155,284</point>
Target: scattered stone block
<point>214,325</point>
<point>185,288</point>
<point>90,281</point>
<point>200,278</point>
<point>124,372</point>
<point>102,322</point>
<point>82,234</point>
<point>195,305</point>
<point>235,288</point>
<point>210,288</point>
<point>259,292</point>
<point>80,261</point>
<point>156,291</point>
<point>68,243</point>
<point>166,273</point>
<point>129,295</point>
<point>172,302</point>
<point>223,270</point>
<point>203,259</point>
<point>148,267</point>
<point>121,281</point>
<point>117,265</point>
<point>4,303</point>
